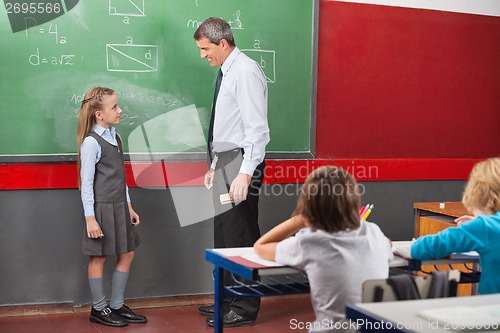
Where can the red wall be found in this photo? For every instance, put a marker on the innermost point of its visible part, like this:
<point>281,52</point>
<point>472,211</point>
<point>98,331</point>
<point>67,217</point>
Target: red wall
<point>407,83</point>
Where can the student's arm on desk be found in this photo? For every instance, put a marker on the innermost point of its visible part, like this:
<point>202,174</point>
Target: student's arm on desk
<point>402,249</point>
<point>467,237</point>
<point>265,246</point>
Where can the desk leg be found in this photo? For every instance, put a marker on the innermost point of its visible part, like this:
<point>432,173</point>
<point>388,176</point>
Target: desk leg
<point>218,299</point>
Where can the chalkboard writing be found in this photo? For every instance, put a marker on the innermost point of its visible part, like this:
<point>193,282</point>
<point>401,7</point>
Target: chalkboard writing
<point>53,52</point>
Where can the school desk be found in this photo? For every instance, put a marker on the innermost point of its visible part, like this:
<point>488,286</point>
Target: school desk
<point>403,316</point>
<point>233,260</point>
<point>240,261</point>
<point>432,217</point>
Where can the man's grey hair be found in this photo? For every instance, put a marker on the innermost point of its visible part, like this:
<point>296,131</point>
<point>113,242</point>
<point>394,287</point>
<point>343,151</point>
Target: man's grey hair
<point>215,29</point>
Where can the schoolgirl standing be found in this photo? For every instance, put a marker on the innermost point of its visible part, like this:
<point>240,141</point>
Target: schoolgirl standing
<point>109,216</point>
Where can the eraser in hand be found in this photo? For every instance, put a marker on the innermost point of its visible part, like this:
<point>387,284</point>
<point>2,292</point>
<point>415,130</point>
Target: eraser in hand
<point>225,199</point>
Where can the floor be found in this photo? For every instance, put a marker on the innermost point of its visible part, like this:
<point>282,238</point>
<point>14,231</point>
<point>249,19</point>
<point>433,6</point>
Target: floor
<point>277,315</point>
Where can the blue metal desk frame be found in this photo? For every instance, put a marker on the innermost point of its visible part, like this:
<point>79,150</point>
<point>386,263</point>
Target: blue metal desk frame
<point>219,258</point>
<point>222,263</point>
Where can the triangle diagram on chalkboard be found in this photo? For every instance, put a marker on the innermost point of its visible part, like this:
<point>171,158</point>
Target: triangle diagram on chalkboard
<point>131,58</point>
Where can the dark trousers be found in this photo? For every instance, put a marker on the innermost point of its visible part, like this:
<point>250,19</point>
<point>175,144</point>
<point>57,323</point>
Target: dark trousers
<point>236,225</point>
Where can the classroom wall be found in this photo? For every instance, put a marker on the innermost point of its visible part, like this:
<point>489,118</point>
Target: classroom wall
<point>385,105</point>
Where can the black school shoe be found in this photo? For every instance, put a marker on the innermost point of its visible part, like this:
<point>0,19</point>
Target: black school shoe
<point>232,319</point>
<point>107,317</point>
<point>126,313</point>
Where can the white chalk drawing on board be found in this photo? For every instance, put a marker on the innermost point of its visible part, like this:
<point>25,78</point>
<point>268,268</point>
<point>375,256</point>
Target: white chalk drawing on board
<point>131,58</point>
<point>127,7</point>
<point>235,24</point>
<point>53,30</point>
<point>35,59</point>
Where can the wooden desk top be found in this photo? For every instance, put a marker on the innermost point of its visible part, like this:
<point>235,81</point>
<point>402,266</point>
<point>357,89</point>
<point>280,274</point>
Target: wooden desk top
<point>455,208</point>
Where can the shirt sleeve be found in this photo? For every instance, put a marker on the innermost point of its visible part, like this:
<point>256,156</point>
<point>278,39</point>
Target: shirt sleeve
<point>385,243</point>
<point>470,236</point>
<point>288,252</point>
<point>89,156</point>
<point>252,97</point>
<point>214,162</point>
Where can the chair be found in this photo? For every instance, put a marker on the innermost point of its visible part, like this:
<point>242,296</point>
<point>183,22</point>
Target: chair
<point>406,287</point>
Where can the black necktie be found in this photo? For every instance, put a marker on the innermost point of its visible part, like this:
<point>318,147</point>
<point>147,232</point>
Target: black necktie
<point>212,117</point>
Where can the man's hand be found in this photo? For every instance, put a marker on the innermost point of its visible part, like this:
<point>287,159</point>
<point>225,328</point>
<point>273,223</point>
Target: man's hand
<point>239,187</point>
<point>209,178</point>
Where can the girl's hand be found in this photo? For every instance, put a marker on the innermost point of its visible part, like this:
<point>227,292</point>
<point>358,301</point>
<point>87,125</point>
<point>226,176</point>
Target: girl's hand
<point>462,219</point>
<point>93,228</point>
<point>134,217</point>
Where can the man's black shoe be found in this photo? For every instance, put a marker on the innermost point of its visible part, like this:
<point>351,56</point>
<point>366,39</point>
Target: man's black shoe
<point>107,317</point>
<point>126,313</point>
<point>207,310</point>
<point>232,319</point>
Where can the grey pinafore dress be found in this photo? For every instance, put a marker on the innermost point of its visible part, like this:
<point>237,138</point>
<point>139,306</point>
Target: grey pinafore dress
<point>110,204</point>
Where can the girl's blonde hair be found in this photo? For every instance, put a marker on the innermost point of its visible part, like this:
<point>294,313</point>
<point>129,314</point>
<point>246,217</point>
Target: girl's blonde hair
<point>329,200</point>
<point>92,102</point>
<point>483,188</point>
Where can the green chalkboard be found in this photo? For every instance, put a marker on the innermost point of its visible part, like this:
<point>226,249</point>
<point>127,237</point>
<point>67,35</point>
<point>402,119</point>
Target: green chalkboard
<point>52,51</point>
